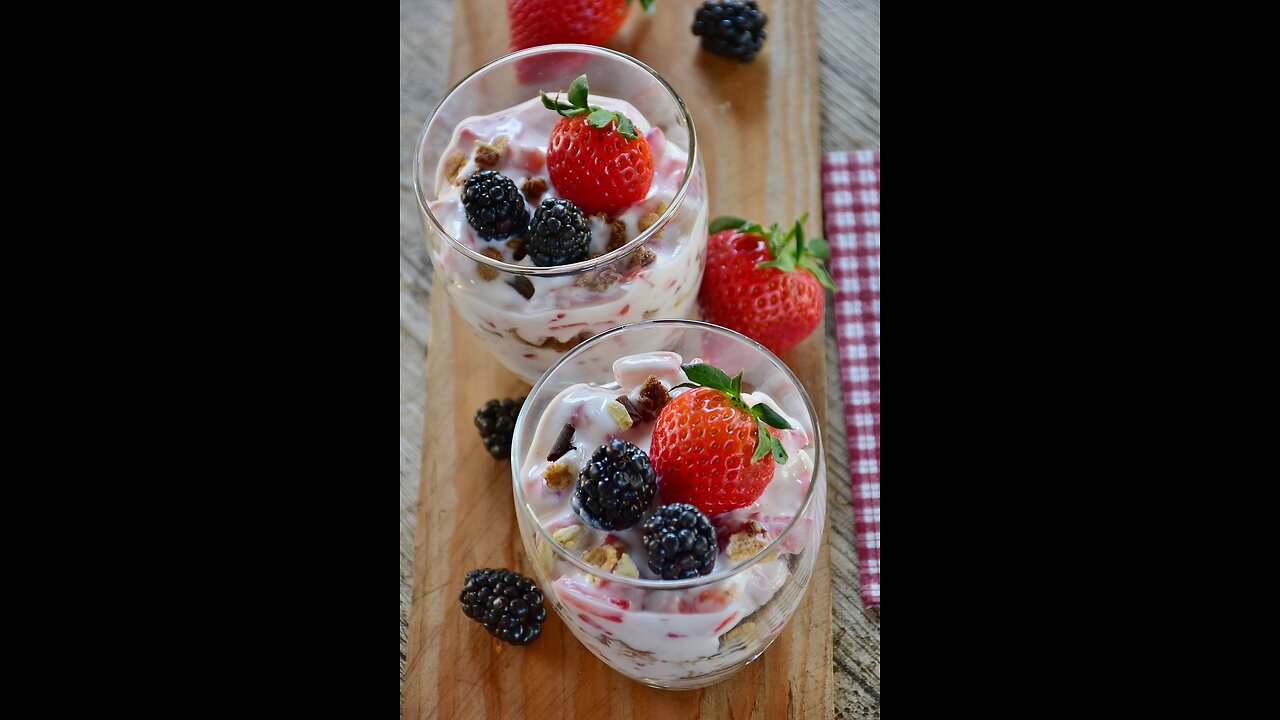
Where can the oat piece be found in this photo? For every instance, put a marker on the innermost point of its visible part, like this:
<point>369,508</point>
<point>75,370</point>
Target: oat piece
<point>647,221</point>
<point>522,286</point>
<point>559,476</point>
<point>517,244</point>
<point>454,166</point>
<point>551,343</point>
<point>570,537</point>
<point>604,557</point>
<point>617,236</point>
<point>564,443</point>
<point>744,544</point>
<point>743,633</point>
<point>626,567</point>
<point>619,413</point>
<point>533,189</point>
<point>485,272</point>
<point>652,398</point>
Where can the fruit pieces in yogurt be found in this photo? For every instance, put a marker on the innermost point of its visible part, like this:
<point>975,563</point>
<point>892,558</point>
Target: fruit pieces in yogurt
<point>658,633</point>
<point>528,321</point>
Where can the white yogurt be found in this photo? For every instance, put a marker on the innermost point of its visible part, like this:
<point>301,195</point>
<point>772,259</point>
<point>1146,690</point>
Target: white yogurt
<point>528,335</point>
<point>662,635</point>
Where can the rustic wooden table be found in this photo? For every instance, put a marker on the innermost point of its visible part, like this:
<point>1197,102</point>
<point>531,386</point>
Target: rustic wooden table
<point>849,52</point>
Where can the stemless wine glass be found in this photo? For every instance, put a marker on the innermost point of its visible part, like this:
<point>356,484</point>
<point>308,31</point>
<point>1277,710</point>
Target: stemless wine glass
<point>651,254</point>
<point>680,634</point>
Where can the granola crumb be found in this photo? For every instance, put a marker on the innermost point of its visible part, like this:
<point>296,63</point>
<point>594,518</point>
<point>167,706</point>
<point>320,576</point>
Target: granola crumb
<point>451,170</point>
<point>653,396</point>
<point>570,537</point>
<point>533,189</point>
<point>485,272</point>
<point>486,156</point>
<point>599,280</point>
<point>517,244</point>
<point>744,545</point>
<point>642,256</point>
<point>559,476</point>
<point>617,236</point>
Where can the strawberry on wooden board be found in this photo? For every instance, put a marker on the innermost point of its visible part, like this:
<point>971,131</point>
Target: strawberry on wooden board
<point>768,287</point>
<point>596,157</point>
<point>543,22</point>
<point>710,449</point>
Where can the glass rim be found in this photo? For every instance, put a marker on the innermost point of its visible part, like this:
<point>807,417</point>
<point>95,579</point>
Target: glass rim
<point>585,265</point>
<point>819,465</point>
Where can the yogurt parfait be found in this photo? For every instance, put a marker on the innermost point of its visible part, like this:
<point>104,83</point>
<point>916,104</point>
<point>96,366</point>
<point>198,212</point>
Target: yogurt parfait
<point>671,501</point>
<point>558,207</point>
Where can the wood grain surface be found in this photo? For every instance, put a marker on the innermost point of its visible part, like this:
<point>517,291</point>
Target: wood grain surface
<point>850,86</point>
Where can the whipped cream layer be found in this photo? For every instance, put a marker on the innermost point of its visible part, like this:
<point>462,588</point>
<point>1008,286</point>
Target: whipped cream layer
<point>529,334</point>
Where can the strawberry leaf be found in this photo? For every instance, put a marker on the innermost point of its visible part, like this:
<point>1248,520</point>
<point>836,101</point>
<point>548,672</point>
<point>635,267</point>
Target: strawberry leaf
<point>764,445</point>
<point>600,118</point>
<point>709,376</point>
<point>625,128</point>
<point>779,453</point>
<point>815,266</point>
<point>770,416</point>
<point>819,248</point>
<point>798,232</point>
<point>737,385</point>
<point>578,92</point>
<point>727,222</point>
<point>559,107</point>
<point>647,4</point>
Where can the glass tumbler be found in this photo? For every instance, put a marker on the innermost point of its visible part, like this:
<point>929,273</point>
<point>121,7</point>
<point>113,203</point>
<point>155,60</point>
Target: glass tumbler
<point>645,262</point>
<point>679,634</point>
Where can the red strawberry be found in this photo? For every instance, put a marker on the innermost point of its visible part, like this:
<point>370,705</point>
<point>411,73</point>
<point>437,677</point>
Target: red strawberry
<point>543,22</point>
<point>711,450</point>
<point>767,288</point>
<point>595,157</point>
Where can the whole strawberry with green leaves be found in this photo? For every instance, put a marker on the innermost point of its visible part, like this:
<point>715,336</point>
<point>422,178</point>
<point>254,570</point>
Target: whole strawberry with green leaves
<point>710,449</point>
<point>764,284</point>
<point>596,158</point>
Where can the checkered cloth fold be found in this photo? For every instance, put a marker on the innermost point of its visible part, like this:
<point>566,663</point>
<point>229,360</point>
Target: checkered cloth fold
<point>851,189</point>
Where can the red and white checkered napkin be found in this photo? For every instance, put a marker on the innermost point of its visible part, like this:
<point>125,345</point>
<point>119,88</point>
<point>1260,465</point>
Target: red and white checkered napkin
<point>851,189</point>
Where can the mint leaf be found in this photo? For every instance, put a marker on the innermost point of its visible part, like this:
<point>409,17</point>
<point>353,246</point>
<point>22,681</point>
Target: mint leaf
<point>578,92</point>
<point>625,128</point>
<point>819,248</point>
<point>726,222</point>
<point>709,376</point>
<point>779,453</point>
<point>770,416</point>
<point>600,118</point>
<point>764,445</point>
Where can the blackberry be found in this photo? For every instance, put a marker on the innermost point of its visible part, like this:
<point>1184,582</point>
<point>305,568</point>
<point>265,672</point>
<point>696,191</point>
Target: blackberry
<point>496,421</point>
<point>495,208</point>
<point>615,488</point>
<point>558,235</point>
<point>680,541</point>
<point>508,604</point>
<point>733,29</point>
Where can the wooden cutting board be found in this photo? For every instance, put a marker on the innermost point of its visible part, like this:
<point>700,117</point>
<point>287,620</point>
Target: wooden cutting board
<point>758,128</point>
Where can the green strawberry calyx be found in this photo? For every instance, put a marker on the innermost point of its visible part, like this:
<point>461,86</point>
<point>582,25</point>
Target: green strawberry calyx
<point>703,375</point>
<point>648,4</point>
<point>577,105</point>
<point>790,251</point>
